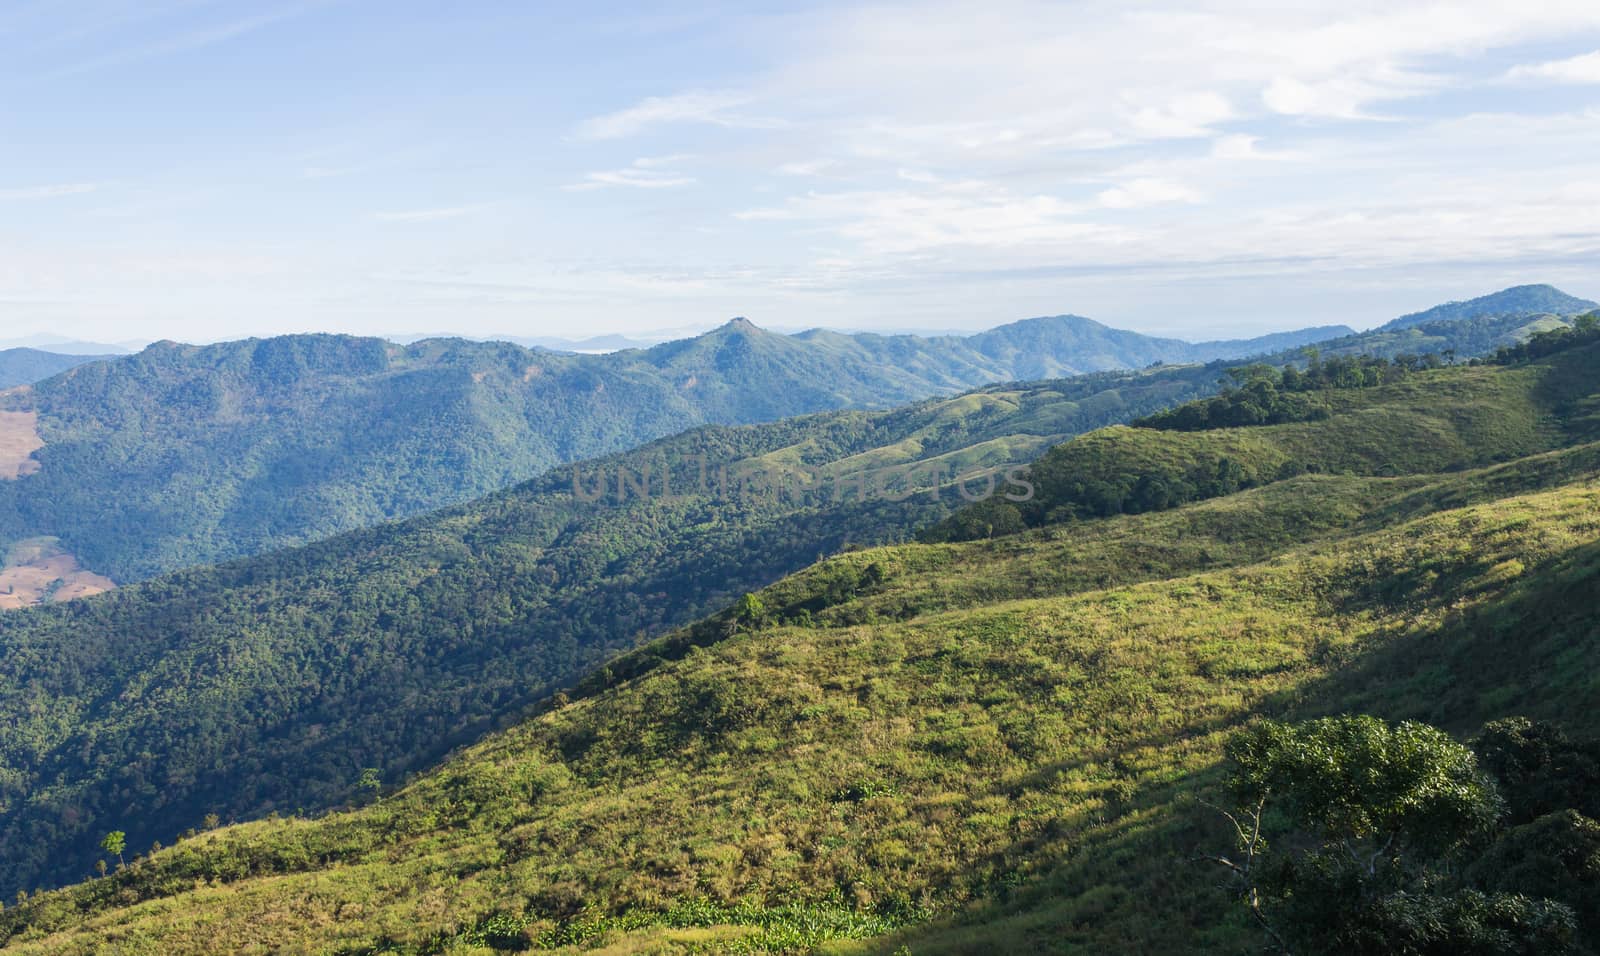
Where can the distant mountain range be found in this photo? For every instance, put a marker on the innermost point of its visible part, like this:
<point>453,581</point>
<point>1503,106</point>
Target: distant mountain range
<point>66,346</point>
<point>183,455</point>
<point>24,366</point>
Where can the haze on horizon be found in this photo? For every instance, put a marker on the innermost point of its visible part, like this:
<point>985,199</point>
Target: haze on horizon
<point>206,170</point>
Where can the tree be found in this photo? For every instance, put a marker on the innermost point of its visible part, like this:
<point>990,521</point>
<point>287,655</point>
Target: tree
<point>750,611</point>
<point>114,843</point>
<point>1379,818</point>
<point>370,782</point>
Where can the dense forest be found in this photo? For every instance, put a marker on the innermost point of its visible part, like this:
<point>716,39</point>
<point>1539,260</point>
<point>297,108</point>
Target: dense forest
<point>1034,742</point>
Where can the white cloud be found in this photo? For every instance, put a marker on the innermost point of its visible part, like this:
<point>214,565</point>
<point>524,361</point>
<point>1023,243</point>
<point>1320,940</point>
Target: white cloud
<point>714,108</point>
<point>647,172</point>
<point>182,43</point>
<point>952,218</point>
<point>1577,70</point>
<point>47,192</point>
<point>1239,146</point>
<point>1147,192</point>
<point>1186,115</point>
<point>810,167</point>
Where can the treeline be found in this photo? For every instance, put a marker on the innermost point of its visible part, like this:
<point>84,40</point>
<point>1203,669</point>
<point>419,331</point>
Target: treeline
<point>1583,331</point>
<point>1261,394</point>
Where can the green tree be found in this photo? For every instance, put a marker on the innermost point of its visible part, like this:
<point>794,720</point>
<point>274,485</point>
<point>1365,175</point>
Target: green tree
<point>114,843</point>
<point>370,781</point>
<point>1379,818</point>
<point>750,611</point>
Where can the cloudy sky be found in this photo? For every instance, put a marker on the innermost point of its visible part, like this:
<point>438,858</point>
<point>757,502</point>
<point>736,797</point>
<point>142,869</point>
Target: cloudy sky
<point>204,169</point>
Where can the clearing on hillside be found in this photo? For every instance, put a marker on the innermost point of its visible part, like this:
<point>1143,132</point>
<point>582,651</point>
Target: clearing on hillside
<point>19,439</point>
<point>37,571</point>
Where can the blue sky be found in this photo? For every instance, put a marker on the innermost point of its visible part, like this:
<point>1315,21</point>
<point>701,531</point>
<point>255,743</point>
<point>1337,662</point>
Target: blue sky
<point>205,169</point>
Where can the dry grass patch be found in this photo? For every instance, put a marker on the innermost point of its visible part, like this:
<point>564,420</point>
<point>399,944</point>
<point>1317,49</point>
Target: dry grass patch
<point>19,439</point>
<point>38,571</point>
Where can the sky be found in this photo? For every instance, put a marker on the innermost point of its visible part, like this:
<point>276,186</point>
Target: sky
<point>212,169</point>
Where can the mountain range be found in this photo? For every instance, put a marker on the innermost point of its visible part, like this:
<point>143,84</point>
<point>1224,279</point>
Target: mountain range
<point>401,640</point>
<point>184,455</point>
<point>24,366</point>
<point>1005,744</point>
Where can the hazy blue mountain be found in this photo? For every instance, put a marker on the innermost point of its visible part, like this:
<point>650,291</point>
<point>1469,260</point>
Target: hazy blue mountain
<point>24,366</point>
<point>1517,300</point>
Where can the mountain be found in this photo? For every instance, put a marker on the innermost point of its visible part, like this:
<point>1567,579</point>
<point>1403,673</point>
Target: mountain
<point>185,455</point>
<point>65,346</point>
<point>399,641</point>
<point>1517,300</point>
<point>1068,344</point>
<point>1003,745</point>
<point>24,366</point>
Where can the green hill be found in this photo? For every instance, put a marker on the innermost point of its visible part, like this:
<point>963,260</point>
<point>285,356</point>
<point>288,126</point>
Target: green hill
<point>185,455</point>
<point>993,746</point>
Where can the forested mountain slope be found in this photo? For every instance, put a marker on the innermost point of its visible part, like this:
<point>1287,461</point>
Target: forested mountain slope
<point>978,747</point>
<point>274,682</point>
<point>185,455</point>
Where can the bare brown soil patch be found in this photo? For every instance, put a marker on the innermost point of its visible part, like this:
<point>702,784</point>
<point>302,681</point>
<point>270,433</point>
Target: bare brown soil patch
<point>38,571</point>
<point>19,439</point>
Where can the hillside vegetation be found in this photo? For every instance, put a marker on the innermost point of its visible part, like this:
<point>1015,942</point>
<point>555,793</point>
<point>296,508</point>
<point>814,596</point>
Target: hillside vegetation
<point>988,746</point>
<point>276,682</point>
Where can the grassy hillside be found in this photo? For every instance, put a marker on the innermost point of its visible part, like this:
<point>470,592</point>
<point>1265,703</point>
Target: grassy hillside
<point>865,774</point>
<point>185,455</point>
<point>275,682</point>
<point>990,746</point>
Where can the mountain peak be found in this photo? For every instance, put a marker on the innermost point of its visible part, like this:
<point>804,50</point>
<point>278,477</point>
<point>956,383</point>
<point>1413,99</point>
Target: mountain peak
<point>742,325</point>
<point>1518,299</point>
